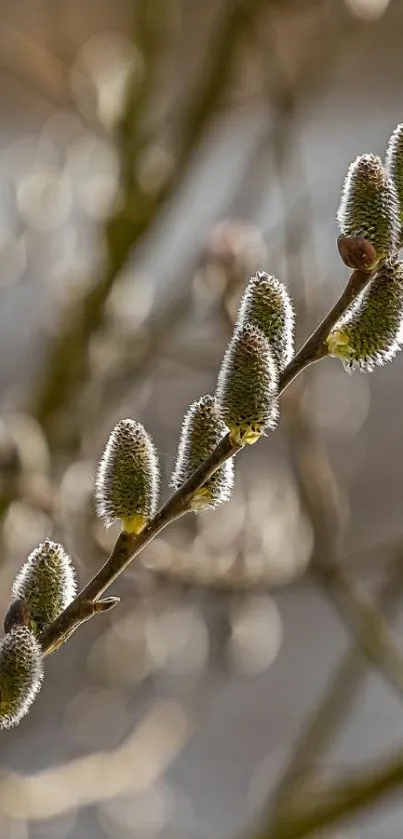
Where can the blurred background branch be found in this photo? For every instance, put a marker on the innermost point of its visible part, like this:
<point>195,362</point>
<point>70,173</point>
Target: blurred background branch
<point>323,725</point>
<point>357,793</point>
<point>137,208</point>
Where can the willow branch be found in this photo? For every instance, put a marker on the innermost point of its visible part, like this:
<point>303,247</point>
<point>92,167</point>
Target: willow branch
<point>127,547</point>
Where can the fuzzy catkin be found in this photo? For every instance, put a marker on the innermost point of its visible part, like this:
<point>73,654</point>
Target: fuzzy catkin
<point>128,477</point>
<point>46,584</point>
<point>202,430</point>
<point>267,305</point>
<point>247,387</point>
<point>369,206</point>
<point>394,167</point>
<point>371,331</point>
<point>21,674</point>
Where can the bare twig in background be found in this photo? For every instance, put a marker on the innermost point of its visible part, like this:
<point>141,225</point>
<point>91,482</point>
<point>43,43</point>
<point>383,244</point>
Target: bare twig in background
<point>362,791</point>
<point>136,211</point>
<point>32,65</point>
<point>355,606</point>
<point>321,727</point>
<point>130,216</point>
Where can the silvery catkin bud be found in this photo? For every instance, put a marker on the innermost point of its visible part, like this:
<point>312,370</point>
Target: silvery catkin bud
<point>370,333</point>
<point>394,166</point>
<point>128,477</point>
<point>46,584</point>
<point>21,674</point>
<point>266,304</point>
<point>369,211</point>
<point>202,430</point>
<point>247,388</point>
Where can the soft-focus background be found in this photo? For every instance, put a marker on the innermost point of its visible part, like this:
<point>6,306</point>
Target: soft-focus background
<point>154,154</point>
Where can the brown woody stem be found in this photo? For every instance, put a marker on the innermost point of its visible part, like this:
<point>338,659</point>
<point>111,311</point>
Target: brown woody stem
<point>315,347</point>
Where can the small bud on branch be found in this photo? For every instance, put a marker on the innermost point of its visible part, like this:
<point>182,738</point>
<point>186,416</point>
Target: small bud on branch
<point>357,252</point>
<point>46,584</point>
<point>267,305</point>
<point>394,168</point>
<point>203,428</point>
<point>369,209</point>
<point>21,674</point>
<point>247,388</point>
<point>16,615</point>
<point>128,477</point>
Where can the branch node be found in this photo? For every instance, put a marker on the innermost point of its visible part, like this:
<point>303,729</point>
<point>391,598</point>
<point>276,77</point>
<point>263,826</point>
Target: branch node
<point>105,605</point>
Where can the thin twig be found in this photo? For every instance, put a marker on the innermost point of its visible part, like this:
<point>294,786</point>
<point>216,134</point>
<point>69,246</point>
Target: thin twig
<point>361,615</point>
<point>351,796</point>
<point>315,347</point>
<point>369,629</point>
<point>324,722</point>
<point>128,218</point>
<point>127,547</point>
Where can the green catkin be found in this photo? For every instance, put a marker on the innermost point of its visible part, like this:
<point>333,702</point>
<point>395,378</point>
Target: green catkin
<point>394,167</point>
<point>369,206</point>
<point>247,388</point>
<point>46,584</point>
<point>371,331</point>
<point>21,674</point>
<point>267,305</point>
<point>202,430</point>
<point>128,477</point>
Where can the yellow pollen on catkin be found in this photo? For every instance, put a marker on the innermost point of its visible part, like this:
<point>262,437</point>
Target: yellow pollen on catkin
<point>134,524</point>
<point>338,344</point>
